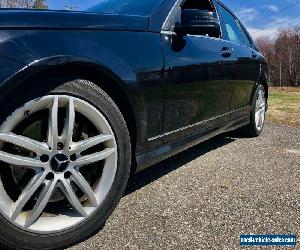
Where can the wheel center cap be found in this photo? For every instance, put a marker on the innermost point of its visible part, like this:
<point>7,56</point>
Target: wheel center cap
<point>59,162</point>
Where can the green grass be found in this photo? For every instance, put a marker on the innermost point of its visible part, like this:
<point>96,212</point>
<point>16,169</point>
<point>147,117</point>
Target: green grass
<point>284,106</point>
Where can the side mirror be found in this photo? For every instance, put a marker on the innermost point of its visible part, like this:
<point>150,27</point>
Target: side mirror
<point>198,22</point>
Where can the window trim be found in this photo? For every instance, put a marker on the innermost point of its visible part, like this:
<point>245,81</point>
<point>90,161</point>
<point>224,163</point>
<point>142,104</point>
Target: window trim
<point>165,27</point>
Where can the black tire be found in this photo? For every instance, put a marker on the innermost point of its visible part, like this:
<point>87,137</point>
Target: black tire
<point>12,237</point>
<point>251,129</point>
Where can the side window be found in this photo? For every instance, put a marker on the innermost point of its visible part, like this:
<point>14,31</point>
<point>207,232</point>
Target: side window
<point>231,28</point>
<point>245,37</point>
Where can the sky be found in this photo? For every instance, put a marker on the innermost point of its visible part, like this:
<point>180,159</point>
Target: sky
<point>261,17</point>
<point>264,17</point>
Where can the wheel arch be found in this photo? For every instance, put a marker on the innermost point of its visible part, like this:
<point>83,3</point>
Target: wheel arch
<point>263,80</point>
<point>60,71</point>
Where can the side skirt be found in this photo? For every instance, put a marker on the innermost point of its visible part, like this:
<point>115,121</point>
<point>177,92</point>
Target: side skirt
<point>150,157</point>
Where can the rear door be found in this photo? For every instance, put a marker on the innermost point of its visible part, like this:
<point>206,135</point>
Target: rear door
<point>246,69</point>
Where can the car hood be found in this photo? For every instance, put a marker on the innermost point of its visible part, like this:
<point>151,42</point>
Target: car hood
<point>44,19</point>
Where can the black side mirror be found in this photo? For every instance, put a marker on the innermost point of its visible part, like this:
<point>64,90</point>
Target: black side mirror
<point>198,22</point>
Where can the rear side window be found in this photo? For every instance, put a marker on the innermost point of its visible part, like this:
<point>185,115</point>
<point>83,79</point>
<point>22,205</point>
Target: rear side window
<point>245,38</point>
<point>232,31</point>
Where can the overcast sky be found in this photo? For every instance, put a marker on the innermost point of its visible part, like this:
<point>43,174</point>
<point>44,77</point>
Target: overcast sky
<point>261,17</point>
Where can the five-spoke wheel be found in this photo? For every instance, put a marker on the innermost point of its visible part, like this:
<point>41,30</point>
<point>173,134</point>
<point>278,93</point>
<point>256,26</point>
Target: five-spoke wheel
<point>56,167</point>
<point>258,113</point>
<point>260,109</point>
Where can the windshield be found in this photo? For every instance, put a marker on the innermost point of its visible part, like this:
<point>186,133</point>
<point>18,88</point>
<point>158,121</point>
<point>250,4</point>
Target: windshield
<point>130,7</point>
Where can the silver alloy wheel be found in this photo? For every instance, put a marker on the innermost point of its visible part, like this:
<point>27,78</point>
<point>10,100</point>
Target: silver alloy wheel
<point>56,163</point>
<point>260,110</point>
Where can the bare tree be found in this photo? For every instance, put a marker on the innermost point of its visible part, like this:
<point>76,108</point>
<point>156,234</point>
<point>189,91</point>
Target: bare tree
<point>37,4</point>
<point>40,4</point>
<point>283,56</point>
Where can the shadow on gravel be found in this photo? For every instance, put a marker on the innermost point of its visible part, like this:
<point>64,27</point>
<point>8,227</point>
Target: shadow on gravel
<point>165,167</point>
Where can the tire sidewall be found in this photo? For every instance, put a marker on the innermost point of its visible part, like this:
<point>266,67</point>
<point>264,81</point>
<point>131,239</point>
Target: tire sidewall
<point>253,110</point>
<point>15,238</point>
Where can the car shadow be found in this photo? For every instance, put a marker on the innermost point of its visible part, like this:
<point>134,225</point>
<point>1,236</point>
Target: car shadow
<point>145,177</point>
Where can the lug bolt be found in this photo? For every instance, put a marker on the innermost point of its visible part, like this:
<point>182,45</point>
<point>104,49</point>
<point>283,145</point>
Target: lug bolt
<point>60,146</point>
<point>73,157</point>
<point>67,175</point>
<point>50,177</point>
<point>44,158</point>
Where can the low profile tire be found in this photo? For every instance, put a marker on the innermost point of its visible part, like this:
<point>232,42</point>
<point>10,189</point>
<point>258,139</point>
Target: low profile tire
<point>64,162</point>
<point>258,113</point>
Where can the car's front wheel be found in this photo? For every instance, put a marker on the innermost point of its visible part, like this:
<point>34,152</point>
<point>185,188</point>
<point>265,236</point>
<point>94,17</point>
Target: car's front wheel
<point>64,164</point>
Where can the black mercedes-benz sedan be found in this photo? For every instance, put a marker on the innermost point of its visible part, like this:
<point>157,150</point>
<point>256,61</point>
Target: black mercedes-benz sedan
<point>91,94</point>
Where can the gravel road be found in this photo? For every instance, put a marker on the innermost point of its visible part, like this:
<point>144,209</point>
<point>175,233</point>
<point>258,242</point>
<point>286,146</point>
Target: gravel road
<point>205,197</point>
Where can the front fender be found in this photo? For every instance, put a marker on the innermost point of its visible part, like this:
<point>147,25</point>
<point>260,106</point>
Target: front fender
<point>38,66</point>
<point>133,59</point>
<point>49,47</point>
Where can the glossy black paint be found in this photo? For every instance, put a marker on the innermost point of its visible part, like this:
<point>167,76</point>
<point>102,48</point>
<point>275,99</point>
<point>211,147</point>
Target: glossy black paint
<point>66,20</point>
<point>197,84</point>
<point>180,90</point>
<point>141,81</point>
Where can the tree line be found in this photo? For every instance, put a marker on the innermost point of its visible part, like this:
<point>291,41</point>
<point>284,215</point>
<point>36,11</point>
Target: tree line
<point>33,4</point>
<point>283,56</point>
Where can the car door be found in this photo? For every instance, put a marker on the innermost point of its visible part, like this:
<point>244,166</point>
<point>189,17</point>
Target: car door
<point>246,68</point>
<point>197,87</point>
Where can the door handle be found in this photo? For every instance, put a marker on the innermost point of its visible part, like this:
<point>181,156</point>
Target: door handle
<point>226,52</point>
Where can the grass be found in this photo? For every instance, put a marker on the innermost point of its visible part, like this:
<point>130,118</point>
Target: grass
<point>284,106</point>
